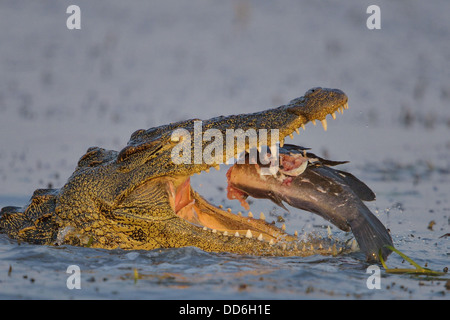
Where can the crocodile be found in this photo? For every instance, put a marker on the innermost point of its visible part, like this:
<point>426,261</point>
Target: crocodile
<point>139,198</point>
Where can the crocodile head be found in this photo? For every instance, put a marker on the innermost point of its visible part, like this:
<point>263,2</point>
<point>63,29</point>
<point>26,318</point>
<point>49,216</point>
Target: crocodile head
<point>141,197</point>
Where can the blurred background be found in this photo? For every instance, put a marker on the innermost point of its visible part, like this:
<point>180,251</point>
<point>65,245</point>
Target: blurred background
<point>142,64</point>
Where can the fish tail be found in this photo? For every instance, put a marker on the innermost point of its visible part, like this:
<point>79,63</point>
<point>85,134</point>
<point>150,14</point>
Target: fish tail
<point>371,234</point>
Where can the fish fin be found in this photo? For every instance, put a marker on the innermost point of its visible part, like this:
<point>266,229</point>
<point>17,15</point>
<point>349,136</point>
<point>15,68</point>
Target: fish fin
<point>278,201</point>
<point>370,234</point>
<point>357,186</point>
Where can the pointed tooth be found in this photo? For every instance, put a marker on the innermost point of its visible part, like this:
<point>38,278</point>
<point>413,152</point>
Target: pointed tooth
<point>346,106</point>
<point>248,234</point>
<point>291,135</point>
<point>354,245</point>
<point>205,228</point>
<point>214,231</point>
<point>303,127</point>
<point>217,167</point>
<point>324,124</point>
<point>304,248</point>
<point>260,237</point>
<point>333,249</point>
<point>296,233</point>
<point>225,233</point>
<point>283,227</point>
<point>329,231</point>
<point>283,246</point>
<point>297,131</point>
<point>320,246</point>
<point>236,234</point>
<point>313,121</point>
<point>281,143</point>
<point>175,138</point>
<point>239,214</point>
<point>250,214</point>
<point>271,242</point>
<point>333,115</point>
<point>312,248</point>
<point>262,216</point>
<point>207,170</point>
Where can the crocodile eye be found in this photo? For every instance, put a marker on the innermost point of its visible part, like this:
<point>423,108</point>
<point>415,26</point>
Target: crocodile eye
<point>310,91</point>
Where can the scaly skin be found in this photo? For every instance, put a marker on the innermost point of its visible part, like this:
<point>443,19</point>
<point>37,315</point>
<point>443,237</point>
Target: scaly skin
<point>131,199</point>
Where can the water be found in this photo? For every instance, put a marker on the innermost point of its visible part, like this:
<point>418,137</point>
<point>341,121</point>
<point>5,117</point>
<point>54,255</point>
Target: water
<point>139,66</point>
<point>31,271</point>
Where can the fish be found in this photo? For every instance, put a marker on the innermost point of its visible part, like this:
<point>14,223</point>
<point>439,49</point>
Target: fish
<point>308,182</point>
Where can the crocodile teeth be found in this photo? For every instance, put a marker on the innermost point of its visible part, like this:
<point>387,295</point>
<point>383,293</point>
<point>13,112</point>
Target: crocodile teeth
<point>260,237</point>
<point>324,124</point>
<point>354,245</point>
<point>297,131</point>
<point>346,106</point>
<point>217,167</point>
<point>225,233</point>
<point>262,216</point>
<point>248,234</point>
<point>236,234</point>
<point>281,143</point>
<point>313,121</point>
<point>283,227</point>
<point>334,116</point>
<point>291,135</point>
<point>303,127</point>
<point>250,214</point>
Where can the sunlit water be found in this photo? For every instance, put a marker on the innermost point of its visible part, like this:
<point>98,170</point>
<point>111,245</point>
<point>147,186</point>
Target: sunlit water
<point>30,271</point>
